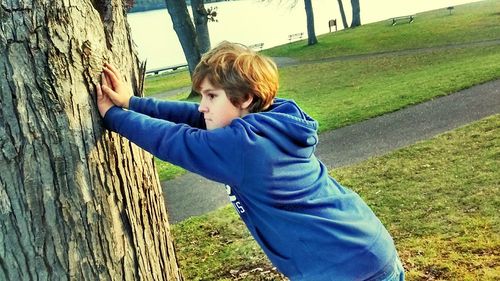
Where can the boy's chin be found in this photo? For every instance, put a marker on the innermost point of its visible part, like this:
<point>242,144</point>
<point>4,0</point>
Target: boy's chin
<point>211,127</point>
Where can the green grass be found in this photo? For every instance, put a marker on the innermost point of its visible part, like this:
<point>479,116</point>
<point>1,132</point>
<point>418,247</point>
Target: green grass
<point>345,91</point>
<point>167,171</point>
<point>438,198</point>
<point>468,23</point>
<point>156,84</point>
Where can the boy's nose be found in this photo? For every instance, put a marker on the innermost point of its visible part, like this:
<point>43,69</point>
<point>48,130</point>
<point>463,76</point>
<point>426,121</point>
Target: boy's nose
<point>202,107</point>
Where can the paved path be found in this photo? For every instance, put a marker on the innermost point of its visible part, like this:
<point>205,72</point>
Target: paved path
<point>192,195</point>
<point>284,61</point>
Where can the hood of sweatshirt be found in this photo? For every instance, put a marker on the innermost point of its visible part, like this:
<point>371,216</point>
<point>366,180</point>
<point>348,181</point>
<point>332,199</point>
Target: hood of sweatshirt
<point>286,125</point>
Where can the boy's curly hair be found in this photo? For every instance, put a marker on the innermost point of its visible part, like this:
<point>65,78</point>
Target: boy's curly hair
<point>241,72</point>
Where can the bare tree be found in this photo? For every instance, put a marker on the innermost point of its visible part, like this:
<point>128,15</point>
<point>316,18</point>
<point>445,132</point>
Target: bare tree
<point>185,31</point>
<point>201,17</point>
<point>76,202</point>
<point>356,17</point>
<point>342,14</point>
<point>311,34</point>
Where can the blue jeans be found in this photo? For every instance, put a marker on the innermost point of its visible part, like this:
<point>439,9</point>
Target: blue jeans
<point>392,272</point>
<point>398,274</point>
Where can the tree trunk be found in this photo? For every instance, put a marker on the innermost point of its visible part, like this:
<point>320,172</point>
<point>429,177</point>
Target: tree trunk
<point>311,34</point>
<point>76,202</point>
<point>342,14</point>
<point>200,18</point>
<point>184,29</point>
<point>356,17</point>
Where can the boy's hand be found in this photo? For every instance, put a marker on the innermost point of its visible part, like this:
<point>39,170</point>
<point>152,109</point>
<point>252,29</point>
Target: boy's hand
<point>104,103</point>
<point>114,88</point>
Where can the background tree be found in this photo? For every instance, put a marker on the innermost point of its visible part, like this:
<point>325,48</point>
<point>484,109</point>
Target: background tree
<point>76,202</point>
<point>311,34</point>
<point>356,17</point>
<point>201,18</point>
<point>185,31</point>
<point>342,14</point>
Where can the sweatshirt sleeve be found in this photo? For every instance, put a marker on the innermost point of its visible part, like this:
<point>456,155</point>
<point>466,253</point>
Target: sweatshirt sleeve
<point>173,111</point>
<point>213,154</point>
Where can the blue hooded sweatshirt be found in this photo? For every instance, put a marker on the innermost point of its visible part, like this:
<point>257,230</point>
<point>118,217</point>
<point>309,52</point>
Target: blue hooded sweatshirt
<point>309,226</point>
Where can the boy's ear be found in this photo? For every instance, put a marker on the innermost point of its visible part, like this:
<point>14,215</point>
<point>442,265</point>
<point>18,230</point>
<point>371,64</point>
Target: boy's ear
<point>247,103</point>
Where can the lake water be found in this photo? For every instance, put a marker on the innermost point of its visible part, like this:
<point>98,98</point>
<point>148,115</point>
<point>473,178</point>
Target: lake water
<point>253,21</point>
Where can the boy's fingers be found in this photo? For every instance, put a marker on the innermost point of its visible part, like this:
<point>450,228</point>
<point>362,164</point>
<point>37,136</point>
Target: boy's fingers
<point>108,91</point>
<point>112,68</point>
<point>112,77</point>
<point>104,80</point>
<point>98,90</point>
<point>107,80</point>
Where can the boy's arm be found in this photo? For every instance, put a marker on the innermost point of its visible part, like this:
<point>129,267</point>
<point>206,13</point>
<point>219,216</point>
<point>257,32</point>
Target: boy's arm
<point>121,95</point>
<point>213,154</point>
<point>173,111</point>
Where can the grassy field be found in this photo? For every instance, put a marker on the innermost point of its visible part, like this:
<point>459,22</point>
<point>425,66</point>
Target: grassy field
<point>436,58</point>
<point>438,198</point>
<point>468,23</point>
<point>155,84</point>
<point>345,92</point>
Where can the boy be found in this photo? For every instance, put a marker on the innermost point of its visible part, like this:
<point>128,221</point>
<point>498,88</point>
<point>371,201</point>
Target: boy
<point>262,148</point>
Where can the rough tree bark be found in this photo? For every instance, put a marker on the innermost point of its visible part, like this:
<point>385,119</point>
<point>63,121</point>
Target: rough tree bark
<point>76,202</point>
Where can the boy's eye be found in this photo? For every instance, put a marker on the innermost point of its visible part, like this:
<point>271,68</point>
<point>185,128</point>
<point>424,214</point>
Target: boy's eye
<point>211,96</point>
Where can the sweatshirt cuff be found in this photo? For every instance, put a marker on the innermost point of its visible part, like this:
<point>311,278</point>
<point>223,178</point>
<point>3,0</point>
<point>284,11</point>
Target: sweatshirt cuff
<point>133,103</point>
<point>110,117</point>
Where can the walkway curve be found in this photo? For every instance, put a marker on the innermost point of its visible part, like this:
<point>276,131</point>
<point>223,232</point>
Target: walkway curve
<point>283,61</point>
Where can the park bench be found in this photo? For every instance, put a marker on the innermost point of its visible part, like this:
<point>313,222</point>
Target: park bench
<point>257,46</point>
<point>295,36</point>
<point>450,9</point>
<point>409,18</point>
<point>332,23</point>
<point>163,69</point>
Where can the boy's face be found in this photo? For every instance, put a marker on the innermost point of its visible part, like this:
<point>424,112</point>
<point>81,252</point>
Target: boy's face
<point>216,106</point>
